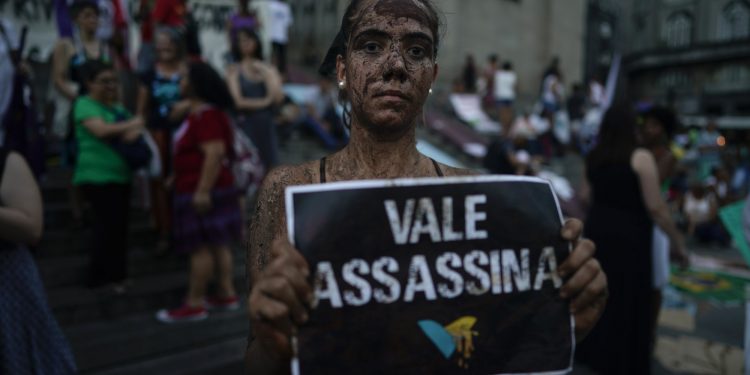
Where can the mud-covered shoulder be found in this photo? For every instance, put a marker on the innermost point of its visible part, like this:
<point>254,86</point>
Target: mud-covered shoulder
<point>269,221</point>
<point>453,171</point>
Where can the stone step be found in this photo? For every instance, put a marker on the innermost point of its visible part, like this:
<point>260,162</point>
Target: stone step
<point>59,215</point>
<point>222,357</point>
<point>66,270</point>
<point>141,345</point>
<point>60,240</point>
<point>73,305</point>
<point>55,194</point>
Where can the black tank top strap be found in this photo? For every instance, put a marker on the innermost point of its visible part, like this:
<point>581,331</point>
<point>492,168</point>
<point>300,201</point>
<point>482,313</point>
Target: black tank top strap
<point>323,170</point>
<point>437,168</point>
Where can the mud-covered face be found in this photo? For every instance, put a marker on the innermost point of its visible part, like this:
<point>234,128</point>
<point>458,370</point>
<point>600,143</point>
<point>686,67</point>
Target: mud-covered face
<point>389,67</point>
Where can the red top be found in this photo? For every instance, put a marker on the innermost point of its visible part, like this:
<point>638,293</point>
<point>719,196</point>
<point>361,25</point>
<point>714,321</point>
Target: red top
<point>169,12</point>
<point>147,23</point>
<point>210,124</point>
<point>121,22</point>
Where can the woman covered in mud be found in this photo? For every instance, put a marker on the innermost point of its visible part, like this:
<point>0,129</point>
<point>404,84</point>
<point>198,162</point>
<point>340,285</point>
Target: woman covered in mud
<point>384,60</point>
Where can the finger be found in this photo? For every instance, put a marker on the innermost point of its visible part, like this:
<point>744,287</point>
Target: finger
<point>296,276</point>
<point>580,279</point>
<point>572,229</point>
<point>593,292</point>
<point>279,289</point>
<point>583,251</point>
<point>299,282</point>
<point>271,313</point>
<point>282,248</point>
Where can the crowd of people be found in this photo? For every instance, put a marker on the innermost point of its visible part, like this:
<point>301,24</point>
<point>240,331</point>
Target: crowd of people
<point>700,170</point>
<point>650,187</point>
<point>532,132</point>
<point>190,132</point>
<point>200,141</point>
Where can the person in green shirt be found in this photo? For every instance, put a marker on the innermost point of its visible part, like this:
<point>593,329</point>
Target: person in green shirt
<point>102,174</point>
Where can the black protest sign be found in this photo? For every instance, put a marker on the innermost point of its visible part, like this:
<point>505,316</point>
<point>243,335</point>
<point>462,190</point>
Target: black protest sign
<point>446,276</point>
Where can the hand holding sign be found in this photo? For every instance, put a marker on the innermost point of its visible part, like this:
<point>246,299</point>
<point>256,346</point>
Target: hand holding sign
<point>587,285</point>
<point>279,299</point>
<point>279,296</point>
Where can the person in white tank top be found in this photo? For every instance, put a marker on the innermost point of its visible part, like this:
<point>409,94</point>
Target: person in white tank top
<point>701,209</point>
<point>505,85</point>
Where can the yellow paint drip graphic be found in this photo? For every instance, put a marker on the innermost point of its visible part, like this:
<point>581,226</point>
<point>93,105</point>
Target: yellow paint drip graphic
<point>462,335</point>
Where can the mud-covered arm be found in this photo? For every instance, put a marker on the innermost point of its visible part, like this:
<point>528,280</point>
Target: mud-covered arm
<point>279,293</point>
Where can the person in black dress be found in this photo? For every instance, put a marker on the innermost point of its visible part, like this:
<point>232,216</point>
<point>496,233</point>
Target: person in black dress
<point>623,181</point>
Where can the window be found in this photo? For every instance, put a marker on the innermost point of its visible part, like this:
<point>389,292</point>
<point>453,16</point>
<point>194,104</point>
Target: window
<point>735,21</point>
<point>733,74</point>
<point>674,79</point>
<point>678,30</point>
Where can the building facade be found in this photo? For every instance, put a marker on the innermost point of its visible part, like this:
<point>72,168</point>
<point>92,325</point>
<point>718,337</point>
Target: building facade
<point>693,55</point>
<point>528,33</point>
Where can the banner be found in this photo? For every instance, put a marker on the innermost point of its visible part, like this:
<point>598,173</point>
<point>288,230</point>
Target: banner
<point>732,217</point>
<point>432,276</point>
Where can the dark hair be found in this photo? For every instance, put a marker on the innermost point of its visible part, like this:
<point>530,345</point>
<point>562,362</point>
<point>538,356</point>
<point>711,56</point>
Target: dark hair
<point>236,52</point>
<point>492,58</point>
<point>507,66</point>
<point>207,85</point>
<point>176,37</point>
<point>429,16</point>
<point>665,117</point>
<point>79,5</point>
<point>617,138</point>
<point>340,44</point>
<point>92,68</point>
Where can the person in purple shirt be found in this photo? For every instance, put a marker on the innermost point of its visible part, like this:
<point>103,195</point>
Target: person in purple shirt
<point>62,16</point>
<point>245,19</point>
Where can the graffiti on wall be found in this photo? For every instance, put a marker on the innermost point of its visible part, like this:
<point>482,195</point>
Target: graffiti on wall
<point>211,16</point>
<point>28,10</point>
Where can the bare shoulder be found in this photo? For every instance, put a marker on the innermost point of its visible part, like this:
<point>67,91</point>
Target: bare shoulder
<point>290,175</point>
<point>642,155</point>
<point>232,69</point>
<point>271,195</point>
<point>265,67</point>
<point>64,45</point>
<point>17,175</point>
<point>643,162</point>
<point>269,221</point>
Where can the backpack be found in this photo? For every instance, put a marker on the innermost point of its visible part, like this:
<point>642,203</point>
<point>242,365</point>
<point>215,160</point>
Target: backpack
<point>247,169</point>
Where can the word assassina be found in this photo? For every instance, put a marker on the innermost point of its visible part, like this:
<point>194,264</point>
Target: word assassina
<point>476,273</point>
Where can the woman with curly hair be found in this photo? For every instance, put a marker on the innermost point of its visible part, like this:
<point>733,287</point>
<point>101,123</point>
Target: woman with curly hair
<point>206,204</point>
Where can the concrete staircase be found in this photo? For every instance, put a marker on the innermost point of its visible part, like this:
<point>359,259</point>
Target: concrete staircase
<point>118,334</point>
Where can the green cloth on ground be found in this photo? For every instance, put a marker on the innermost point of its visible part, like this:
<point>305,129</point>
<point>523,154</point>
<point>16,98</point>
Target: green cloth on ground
<point>715,286</point>
<point>97,162</point>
